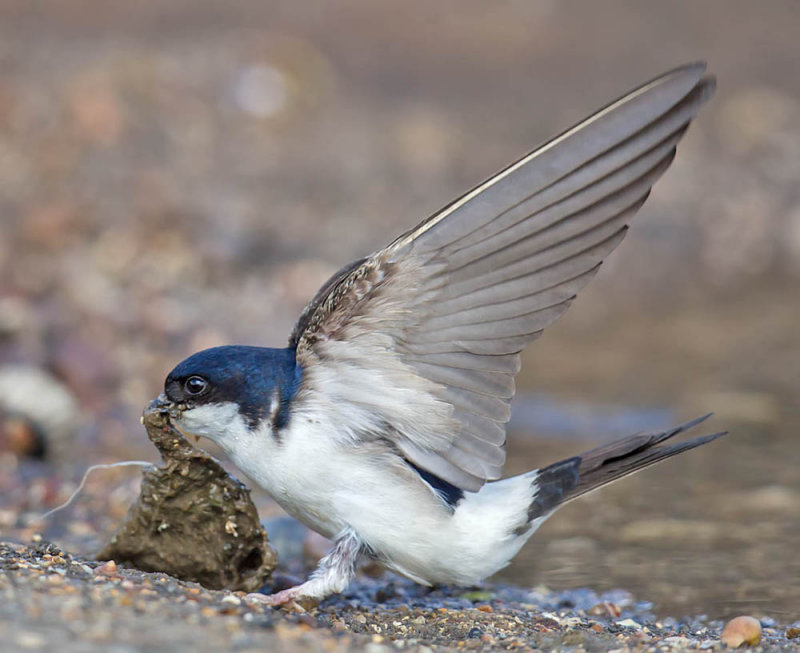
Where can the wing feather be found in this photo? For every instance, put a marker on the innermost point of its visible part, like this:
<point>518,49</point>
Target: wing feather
<point>505,364</point>
<point>436,321</point>
<point>478,403</point>
<point>493,384</point>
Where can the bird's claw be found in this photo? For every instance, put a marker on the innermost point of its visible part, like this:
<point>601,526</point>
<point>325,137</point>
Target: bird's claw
<point>287,597</point>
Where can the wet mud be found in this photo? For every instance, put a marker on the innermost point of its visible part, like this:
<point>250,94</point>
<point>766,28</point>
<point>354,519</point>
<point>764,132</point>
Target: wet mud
<point>192,519</point>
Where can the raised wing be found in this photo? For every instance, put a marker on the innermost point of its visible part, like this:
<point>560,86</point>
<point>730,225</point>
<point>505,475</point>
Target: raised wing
<point>420,342</point>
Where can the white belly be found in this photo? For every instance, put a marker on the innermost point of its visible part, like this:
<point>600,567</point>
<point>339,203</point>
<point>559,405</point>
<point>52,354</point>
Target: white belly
<point>330,485</point>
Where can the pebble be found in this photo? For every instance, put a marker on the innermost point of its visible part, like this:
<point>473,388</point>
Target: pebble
<point>605,609</point>
<point>741,630</point>
<point>108,568</point>
<point>678,641</point>
<point>793,632</point>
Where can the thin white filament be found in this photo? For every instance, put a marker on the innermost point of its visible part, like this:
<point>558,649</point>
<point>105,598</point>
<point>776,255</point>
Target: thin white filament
<point>124,463</point>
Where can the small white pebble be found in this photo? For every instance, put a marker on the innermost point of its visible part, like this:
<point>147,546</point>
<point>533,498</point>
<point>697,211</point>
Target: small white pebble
<point>629,623</point>
<point>233,600</point>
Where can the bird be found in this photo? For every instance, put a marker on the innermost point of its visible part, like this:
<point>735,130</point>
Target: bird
<point>382,424</point>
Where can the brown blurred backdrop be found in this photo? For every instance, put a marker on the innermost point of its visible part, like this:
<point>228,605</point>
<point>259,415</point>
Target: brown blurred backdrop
<point>177,175</point>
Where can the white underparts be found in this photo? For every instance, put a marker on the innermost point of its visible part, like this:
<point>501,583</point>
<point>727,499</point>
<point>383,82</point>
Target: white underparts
<point>338,482</point>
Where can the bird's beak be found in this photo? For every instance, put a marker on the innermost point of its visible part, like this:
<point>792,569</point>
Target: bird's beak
<point>163,405</point>
<point>160,404</point>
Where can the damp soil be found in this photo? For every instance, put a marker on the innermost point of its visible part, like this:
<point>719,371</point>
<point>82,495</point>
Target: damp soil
<point>192,519</point>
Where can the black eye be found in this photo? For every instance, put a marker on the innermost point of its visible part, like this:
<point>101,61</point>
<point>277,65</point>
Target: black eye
<point>195,385</point>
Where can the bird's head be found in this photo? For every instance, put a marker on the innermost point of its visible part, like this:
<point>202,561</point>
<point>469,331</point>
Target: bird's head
<point>226,393</point>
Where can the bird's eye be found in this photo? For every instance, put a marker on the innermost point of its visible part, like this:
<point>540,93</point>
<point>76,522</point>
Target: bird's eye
<point>195,385</point>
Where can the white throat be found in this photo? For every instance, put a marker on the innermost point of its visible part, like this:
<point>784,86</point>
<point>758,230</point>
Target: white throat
<point>222,423</point>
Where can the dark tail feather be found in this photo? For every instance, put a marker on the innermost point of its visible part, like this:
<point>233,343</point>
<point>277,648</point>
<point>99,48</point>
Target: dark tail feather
<point>628,455</point>
<point>565,480</point>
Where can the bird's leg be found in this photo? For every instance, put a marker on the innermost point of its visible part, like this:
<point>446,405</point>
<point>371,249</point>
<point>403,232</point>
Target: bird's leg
<point>333,573</point>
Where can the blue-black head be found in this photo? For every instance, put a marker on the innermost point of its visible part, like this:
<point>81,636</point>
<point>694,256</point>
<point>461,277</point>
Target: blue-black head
<point>260,381</point>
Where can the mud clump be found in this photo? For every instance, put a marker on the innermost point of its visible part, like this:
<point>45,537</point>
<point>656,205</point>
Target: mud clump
<point>192,519</point>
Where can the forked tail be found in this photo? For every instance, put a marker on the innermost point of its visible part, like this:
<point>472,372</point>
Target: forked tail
<point>563,481</point>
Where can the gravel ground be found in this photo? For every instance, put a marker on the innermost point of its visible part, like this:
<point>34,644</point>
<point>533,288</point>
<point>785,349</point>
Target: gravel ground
<point>51,600</point>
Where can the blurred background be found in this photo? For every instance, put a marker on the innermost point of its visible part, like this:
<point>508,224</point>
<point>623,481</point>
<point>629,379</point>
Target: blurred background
<point>180,175</point>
